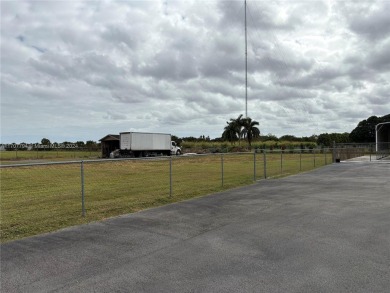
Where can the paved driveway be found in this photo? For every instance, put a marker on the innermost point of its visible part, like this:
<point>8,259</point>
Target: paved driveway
<point>322,231</point>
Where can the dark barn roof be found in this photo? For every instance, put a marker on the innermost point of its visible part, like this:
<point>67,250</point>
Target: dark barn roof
<point>110,137</point>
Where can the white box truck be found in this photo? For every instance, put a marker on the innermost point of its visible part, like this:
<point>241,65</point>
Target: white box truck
<point>138,144</point>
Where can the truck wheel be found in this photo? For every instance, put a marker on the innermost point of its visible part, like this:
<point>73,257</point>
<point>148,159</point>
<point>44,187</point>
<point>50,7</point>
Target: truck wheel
<point>178,153</point>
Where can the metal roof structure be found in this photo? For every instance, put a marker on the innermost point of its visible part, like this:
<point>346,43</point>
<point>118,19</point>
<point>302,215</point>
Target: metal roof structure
<point>382,136</point>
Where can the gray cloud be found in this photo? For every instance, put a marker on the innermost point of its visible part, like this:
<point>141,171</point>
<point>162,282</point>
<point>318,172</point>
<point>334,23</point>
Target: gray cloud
<point>370,19</point>
<point>379,60</point>
<point>171,64</point>
<point>92,68</point>
<point>265,17</point>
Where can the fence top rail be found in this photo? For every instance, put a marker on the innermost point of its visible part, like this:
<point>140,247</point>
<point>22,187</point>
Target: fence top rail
<point>159,158</point>
<point>356,144</point>
<point>81,161</point>
<point>117,160</point>
<point>39,164</point>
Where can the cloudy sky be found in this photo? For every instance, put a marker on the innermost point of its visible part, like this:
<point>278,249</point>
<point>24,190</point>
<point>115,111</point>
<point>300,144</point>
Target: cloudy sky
<point>78,70</point>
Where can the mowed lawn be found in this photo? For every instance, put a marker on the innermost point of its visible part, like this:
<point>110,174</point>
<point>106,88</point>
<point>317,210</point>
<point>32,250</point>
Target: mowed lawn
<point>7,157</point>
<point>43,198</point>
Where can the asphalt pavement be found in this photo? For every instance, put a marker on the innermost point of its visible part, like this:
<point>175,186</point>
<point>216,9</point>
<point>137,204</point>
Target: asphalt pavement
<point>327,230</point>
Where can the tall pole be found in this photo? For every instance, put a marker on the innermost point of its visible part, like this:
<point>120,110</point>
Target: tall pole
<point>246,68</point>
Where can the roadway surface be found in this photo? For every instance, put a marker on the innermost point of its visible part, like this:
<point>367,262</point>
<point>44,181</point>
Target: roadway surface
<point>323,231</point>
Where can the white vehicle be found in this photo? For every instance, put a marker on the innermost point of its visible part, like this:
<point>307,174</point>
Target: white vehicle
<point>138,144</point>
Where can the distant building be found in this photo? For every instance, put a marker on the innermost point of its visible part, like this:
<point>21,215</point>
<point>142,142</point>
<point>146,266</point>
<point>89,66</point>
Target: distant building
<point>109,144</point>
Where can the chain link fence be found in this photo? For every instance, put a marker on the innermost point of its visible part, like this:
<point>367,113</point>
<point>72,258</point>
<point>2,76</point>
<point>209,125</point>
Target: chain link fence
<point>42,197</point>
<point>376,151</point>
<point>382,150</point>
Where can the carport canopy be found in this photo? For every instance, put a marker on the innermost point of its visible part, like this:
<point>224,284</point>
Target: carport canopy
<point>382,134</point>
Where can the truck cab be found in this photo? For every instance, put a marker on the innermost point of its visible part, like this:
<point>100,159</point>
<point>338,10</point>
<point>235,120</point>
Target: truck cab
<point>175,149</point>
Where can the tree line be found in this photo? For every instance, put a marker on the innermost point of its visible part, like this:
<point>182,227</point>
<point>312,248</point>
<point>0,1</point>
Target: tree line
<point>246,129</point>
<point>46,144</point>
<point>364,132</point>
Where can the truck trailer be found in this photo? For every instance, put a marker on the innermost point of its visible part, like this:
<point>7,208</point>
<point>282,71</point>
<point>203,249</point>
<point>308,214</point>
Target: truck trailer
<point>139,144</point>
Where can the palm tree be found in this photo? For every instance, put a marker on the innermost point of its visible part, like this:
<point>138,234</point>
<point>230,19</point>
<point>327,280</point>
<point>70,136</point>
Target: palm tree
<point>238,125</point>
<point>241,128</point>
<point>230,132</point>
<point>249,129</point>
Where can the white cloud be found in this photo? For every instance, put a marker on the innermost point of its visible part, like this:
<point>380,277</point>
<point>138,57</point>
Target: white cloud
<point>78,70</point>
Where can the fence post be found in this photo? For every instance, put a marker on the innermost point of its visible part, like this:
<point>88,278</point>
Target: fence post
<point>314,157</point>
<point>82,190</point>
<point>281,162</point>
<point>370,151</point>
<point>265,164</point>
<point>254,166</point>
<point>300,161</point>
<point>222,169</point>
<point>170,176</point>
<point>326,161</point>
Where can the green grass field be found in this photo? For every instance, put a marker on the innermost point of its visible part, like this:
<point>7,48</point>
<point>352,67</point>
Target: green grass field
<point>227,146</point>
<point>7,157</point>
<point>44,198</point>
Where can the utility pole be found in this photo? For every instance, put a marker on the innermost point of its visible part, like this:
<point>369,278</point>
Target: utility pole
<point>246,68</point>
